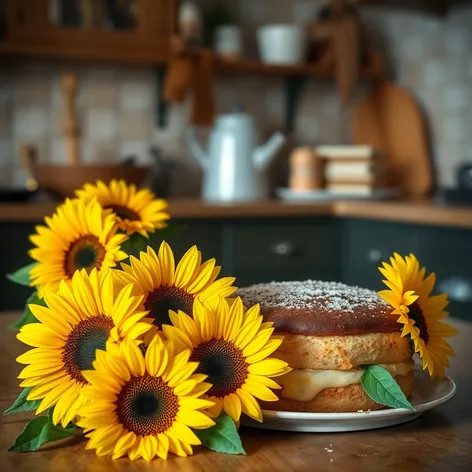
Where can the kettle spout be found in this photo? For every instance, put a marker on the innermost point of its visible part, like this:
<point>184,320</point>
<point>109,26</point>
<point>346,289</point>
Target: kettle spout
<point>196,149</point>
<point>264,154</point>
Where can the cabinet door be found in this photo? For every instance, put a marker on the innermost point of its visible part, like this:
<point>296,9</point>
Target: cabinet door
<point>448,253</point>
<point>365,244</point>
<point>206,235</point>
<point>104,29</point>
<point>279,250</point>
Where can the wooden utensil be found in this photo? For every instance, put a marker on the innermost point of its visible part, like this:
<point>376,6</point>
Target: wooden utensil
<point>203,109</point>
<point>71,122</point>
<point>28,158</point>
<point>389,119</point>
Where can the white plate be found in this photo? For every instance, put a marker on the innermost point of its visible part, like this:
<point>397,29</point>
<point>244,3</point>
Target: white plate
<point>324,195</point>
<point>427,394</point>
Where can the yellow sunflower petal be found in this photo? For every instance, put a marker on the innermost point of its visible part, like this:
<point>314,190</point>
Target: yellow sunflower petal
<point>232,406</point>
<point>249,405</point>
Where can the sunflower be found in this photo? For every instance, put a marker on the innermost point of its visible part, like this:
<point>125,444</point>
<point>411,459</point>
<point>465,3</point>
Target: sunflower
<point>78,236</point>
<point>136,211</point>
<point>165,287</point>
<point>231,346</point>
<point>144,404</point>
<point>80,318</point>
<point>419,312</point>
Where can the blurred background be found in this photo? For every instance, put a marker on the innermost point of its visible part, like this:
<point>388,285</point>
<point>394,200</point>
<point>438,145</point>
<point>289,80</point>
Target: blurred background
<point>294,138</point>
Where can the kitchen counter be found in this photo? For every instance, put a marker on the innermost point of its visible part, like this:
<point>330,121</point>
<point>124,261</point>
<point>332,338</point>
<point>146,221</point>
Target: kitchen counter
<point>419,212</point>
<point>438,440</point>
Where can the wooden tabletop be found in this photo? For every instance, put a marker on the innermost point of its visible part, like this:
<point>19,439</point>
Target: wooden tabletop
<point>440,440</point>
<point>419,212</point>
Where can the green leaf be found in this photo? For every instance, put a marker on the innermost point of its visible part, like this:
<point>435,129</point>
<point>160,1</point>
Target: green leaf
<point>21,276</point>
<point>40,431</point>
<point>28,316</point>
<point>383,388</point>
<point>222,437</point>
<point>22,404</point>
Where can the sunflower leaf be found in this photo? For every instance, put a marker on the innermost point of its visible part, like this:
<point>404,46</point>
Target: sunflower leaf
<point>22,276</point>
<point>39,431</point>
<point>222,437</point>
<point>22,404</point>
<point>382,388</point>
<point>28,316</point>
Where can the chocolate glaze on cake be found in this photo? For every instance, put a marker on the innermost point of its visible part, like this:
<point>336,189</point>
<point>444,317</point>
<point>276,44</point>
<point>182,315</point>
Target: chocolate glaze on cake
<point>321,308</point>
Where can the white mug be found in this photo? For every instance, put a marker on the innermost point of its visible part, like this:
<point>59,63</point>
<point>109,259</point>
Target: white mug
<point>281,44</point>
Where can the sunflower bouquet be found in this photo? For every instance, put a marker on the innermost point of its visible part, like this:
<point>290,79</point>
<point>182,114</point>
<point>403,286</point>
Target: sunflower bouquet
<point>144,355</point>
<point>142,358</point>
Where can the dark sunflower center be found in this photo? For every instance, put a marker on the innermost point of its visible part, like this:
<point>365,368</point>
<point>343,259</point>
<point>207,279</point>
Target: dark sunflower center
<point>163,299</point>
<point>147,405</point>
<point>223,363</point>
<point>123,212</point>
<point>86,252</point>
<point>82,344</point>
<point>417,314</point>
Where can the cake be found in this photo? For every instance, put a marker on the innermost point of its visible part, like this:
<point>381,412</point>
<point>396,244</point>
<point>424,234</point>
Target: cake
<point>330,331</point>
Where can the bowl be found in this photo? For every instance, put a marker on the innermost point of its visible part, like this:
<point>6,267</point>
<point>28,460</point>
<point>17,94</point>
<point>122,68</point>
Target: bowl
<point>64,180</point>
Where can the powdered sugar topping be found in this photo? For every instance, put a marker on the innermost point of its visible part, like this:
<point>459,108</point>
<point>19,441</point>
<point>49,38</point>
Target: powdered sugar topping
<point>331,296</point>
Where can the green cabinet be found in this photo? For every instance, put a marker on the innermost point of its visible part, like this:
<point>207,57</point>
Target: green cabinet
<point>445,251</point>
<point>282,249</point>
<point>365,244</point>
<point>261,250</point>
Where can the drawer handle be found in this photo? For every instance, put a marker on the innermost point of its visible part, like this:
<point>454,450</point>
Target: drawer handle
<point>284,248</point>
<point>458,289</point>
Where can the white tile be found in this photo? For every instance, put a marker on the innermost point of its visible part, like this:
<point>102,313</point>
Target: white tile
<point>457,42</point>
<point>100,91</point>
<point>434,72</point>
<point>137,90</point>
<point>455,129</point>
<point>458,97</point>
<point>57,152</point>
<point>101,124</point>
<point>412,48</point>
<point>30,122</point>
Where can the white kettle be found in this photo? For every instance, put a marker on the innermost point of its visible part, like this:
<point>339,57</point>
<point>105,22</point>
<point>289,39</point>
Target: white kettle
<point>234,167</point>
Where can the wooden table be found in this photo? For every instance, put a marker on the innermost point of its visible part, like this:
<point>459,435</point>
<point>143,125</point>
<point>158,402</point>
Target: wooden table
<point>439,440</point>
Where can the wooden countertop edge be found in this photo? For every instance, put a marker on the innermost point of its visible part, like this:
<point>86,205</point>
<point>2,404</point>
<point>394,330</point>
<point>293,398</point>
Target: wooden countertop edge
<point>396,211</point>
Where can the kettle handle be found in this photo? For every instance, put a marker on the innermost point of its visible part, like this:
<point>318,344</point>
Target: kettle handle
<point>195,147</point>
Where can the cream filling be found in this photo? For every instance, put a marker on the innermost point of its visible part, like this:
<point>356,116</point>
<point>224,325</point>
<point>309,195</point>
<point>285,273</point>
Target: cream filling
<point>304,384</point>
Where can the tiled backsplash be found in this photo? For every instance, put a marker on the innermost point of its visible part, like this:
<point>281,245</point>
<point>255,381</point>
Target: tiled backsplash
<point>429,56</point>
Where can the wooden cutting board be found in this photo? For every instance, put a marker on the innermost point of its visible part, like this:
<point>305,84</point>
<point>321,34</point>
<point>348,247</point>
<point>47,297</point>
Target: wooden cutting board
<point>389,119</point>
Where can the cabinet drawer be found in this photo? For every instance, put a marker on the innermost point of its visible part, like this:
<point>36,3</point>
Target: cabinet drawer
<point>282,250</point>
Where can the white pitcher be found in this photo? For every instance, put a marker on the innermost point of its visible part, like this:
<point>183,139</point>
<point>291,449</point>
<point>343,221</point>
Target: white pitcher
<point>234,167</point>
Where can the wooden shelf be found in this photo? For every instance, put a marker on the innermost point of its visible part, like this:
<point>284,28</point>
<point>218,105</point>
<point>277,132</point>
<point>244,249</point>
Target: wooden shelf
<point>315,70</point>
